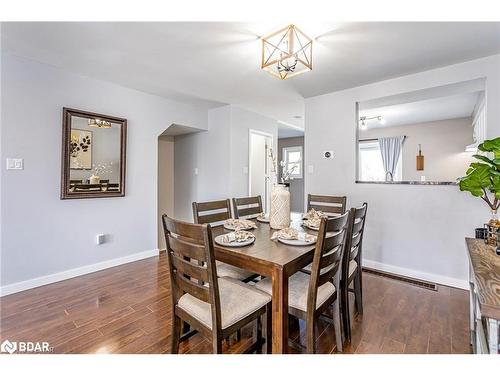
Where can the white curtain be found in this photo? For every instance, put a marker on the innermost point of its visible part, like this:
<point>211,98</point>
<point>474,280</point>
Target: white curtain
<point>390,149</point>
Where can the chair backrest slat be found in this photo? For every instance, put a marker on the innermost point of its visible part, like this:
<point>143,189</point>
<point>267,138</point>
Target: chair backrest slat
<point>247,206</point>
<point>354,241</point>
<point>203,213</point>
<point>191,269</point>
<point>191,263</point>
<point>328,255</point>
<point>327,203</point>
<point>195,289</point>
<point>188,249</point>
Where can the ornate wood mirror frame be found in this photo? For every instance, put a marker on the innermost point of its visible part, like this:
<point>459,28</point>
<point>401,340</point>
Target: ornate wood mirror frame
<point>93,186</point>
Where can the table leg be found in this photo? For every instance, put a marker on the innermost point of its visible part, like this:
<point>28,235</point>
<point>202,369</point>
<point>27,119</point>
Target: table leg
<point>280,311</point>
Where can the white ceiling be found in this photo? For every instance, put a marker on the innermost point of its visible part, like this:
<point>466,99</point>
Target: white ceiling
<point>289,132</point>
<point>216,63</point>
<point>436,109</point>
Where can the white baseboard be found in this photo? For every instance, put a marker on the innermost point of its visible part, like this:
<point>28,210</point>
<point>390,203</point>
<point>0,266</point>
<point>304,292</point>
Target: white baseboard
<point>424,276</point>
<point>55,277</point>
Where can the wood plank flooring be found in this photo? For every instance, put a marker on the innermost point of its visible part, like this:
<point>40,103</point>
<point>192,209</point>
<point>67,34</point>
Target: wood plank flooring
<point>126,309</point>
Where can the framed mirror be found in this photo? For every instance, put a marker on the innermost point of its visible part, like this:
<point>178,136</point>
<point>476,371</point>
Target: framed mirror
<point>93,155</point>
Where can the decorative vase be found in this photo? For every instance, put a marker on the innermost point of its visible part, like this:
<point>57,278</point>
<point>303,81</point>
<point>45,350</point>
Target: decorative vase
<point>494,222</point>
<point>279,216</point>
<point>94,179</point>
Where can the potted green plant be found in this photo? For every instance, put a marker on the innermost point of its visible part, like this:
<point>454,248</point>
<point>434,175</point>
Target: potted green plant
<point>483,177</point>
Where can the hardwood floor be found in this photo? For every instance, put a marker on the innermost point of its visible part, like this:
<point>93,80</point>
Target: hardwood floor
<point>127,309</point>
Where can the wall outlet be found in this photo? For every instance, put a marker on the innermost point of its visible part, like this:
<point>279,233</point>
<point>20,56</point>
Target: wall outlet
<point>310,169</point>
<point>327,154</point>
<point>245,170</point>
<point>15,164</point>
<point>196,171</point>
<point>99,239</point>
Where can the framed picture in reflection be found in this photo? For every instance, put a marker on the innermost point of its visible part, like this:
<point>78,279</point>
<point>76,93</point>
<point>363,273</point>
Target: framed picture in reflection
<point>80,149</point>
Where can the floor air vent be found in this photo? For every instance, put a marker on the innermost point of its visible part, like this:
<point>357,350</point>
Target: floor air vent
<point>404,279</point>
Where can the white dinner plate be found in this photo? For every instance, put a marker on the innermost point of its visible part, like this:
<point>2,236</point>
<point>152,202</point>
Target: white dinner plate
<point>263,219</point>
<point>230,227</point>
<point>296,242</point>
<point>218,241</point>
<point>310,227</point>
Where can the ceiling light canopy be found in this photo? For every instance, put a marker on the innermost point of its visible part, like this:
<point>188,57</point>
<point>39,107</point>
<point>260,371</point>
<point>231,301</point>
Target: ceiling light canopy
<point>287,52</point>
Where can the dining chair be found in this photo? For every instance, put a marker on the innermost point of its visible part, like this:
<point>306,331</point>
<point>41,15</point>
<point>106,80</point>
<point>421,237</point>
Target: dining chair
<point>214,307</point>
<point>309,296</point>
<point>248,207</point>
<point>215,213</point>
<point>113,186</point>
<point>87,187</point>
<point>329,204</point>
<point>352,266</point>
<point>211,212</point>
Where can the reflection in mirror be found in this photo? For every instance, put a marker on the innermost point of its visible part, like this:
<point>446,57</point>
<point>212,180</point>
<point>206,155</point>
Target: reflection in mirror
<point>423,137</point>
<point>94,165</point>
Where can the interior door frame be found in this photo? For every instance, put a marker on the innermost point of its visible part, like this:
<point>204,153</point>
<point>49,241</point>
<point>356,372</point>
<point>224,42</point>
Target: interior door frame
<point>265,134</point>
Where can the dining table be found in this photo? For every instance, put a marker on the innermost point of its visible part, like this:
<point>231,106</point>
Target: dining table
<point>273,259</point>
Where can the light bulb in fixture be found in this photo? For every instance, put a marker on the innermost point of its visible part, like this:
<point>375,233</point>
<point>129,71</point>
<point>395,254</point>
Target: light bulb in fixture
<point>381,120</point>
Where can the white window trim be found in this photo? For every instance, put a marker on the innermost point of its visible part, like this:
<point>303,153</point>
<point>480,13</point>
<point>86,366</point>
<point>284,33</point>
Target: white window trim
<point>284,156</point>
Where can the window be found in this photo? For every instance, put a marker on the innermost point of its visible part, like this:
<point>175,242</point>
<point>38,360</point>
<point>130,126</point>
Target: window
<point>371,167</point>
<point>292,161</point>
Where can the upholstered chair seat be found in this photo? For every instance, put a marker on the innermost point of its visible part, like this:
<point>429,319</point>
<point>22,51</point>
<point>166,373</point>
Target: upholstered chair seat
<point>298,286</point>
<point>353,265</point>
<point>237,301</point>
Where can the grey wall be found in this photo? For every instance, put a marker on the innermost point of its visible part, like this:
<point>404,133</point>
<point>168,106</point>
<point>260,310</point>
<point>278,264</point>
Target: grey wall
<point>241,123</point>
<point>220,155</point>
<point>413,230</point>
<point>165,183</point>
<point>42,234</point>
<point>209,153</point>
<point>296,185</point>
<point>443,146</point>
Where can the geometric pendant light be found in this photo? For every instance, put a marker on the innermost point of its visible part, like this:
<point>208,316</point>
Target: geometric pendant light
<point>287,52</point>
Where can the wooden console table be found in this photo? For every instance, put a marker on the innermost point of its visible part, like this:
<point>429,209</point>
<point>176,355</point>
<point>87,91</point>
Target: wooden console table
<point>484,281</point>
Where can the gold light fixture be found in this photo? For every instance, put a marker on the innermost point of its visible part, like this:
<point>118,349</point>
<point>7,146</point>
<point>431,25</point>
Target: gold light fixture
<point>287,52</point>
<point>97,123</point>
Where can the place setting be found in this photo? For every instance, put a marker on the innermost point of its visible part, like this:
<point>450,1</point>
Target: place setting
<point>239,224</point>
<point>294,237</point>
<point>238,238</point>
<point>263,218</point>
<point>312,219</point>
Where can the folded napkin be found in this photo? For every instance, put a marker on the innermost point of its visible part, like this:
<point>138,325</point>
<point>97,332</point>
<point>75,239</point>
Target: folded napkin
<point>313,214</point>
<point>239,224</point>
<point>237,236</point>
<point>313,222</point>
<point>292,234</point>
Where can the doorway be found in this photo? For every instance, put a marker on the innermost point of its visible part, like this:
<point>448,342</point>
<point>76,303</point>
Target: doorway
<point>259,165</point>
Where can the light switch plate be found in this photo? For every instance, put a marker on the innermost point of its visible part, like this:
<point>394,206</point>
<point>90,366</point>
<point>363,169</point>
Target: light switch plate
<point>245,170</point>
<point>310,169</point>
<point>99,239</point>
<point>196,171</point>
<point>15,164</point>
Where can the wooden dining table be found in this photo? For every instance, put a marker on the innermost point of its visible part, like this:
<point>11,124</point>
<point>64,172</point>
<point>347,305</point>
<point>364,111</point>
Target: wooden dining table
<point>273,259</point>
